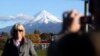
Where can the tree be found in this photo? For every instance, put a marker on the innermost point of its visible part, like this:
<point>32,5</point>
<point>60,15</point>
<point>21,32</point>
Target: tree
<point>4,34</point>
<point>37,32</point>
<point>46,37</point>
<point>34,37</point>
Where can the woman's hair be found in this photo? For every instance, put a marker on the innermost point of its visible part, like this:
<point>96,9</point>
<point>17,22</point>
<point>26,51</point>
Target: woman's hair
<point>15,27</point>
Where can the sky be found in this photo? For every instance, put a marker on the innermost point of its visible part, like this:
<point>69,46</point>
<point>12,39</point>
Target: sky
<point>12,10</point>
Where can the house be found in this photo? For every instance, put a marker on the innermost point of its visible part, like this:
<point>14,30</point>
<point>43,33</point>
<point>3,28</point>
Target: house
<point>44,44</point>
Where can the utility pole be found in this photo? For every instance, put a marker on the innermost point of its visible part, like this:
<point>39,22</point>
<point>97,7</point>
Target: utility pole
<point>85,14</point>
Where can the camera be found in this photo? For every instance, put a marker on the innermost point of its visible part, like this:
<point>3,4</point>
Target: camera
<point>86,20</point>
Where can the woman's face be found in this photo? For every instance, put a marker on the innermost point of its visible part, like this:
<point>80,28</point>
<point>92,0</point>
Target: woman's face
<point>19,32</point>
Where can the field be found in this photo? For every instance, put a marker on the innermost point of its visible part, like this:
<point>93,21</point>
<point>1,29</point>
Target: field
<point>40,52</point>
<point>0,52</point>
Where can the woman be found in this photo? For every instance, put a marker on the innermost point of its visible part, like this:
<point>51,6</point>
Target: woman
<point>18,45</point>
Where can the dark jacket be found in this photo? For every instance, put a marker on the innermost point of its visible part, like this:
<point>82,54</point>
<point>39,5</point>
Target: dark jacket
<point>73,45</point>
<point>25,49</point>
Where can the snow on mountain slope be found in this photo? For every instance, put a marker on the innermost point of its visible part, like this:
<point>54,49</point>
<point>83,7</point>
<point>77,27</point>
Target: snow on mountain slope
<point>44,17</point>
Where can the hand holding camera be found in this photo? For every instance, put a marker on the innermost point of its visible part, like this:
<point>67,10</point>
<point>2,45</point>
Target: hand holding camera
<point>74,20</point>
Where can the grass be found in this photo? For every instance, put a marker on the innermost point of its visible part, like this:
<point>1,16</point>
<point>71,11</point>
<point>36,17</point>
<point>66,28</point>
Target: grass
<point>41,52</point>
<point>0,52</point>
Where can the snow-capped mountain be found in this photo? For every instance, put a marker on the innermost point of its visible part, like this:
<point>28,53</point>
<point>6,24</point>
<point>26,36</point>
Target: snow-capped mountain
<point>44,17</point>
<point>43,21</point>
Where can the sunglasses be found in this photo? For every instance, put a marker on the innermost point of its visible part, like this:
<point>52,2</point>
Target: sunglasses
<point>19,30</point>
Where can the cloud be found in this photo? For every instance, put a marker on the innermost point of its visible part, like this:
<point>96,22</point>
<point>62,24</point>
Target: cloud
<point>6,18</point>
<point>24,17</point>
<point>17,17</point>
